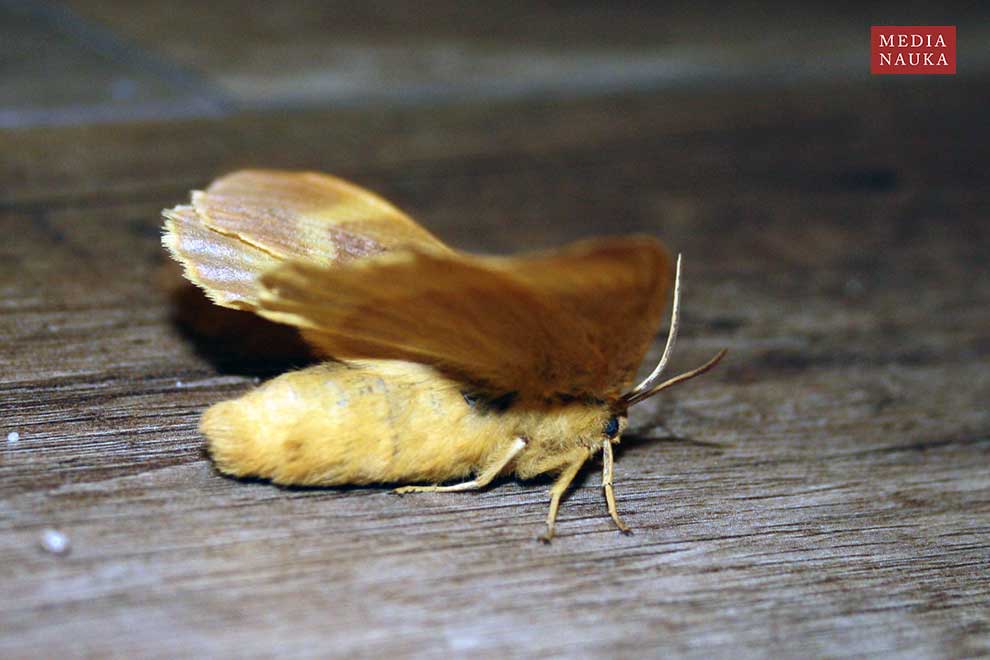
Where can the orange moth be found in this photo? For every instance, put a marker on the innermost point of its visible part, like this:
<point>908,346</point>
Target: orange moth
<point>442,366</point>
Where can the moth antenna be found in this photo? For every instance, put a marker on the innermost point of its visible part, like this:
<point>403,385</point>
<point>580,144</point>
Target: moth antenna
<point>687,375</point>
<point>675,317</point>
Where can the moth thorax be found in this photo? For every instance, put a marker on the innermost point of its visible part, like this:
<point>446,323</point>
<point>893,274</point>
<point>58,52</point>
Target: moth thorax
<point>585,422</point>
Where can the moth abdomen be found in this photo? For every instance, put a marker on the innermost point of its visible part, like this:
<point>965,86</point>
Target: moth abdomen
<point>360,423</point>
<point>230,440</point>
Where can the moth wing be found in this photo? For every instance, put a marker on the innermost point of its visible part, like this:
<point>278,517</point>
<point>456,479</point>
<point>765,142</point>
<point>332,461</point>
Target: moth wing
<point>251,221</point>
<point>576,321</point>
<point>619,292</point>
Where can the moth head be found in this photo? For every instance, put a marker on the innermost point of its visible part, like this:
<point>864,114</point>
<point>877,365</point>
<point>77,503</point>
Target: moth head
<point>587,419</point>
<point>653,385</point>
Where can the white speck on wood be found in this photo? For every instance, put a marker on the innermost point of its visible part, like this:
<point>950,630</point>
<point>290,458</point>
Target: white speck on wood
<point>54,541</point>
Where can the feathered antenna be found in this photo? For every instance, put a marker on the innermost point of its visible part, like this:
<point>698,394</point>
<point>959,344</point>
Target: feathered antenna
<point>648,387</point>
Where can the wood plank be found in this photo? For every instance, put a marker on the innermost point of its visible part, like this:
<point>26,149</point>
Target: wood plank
<point>59,69</point>
<point>343,53</point>
<point>825,493</point>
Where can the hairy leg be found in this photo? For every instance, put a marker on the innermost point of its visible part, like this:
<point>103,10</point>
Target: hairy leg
<point>491,471</point>
<point>607,464</point>
<point>576,461</point>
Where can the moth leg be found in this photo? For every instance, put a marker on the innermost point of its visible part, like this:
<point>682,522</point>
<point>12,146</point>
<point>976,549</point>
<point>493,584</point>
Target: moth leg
<point>607,464</point>
<point>482,480</point>
<point>558,489</point>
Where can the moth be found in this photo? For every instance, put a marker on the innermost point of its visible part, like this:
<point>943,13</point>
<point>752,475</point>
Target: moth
<point>442,366</point>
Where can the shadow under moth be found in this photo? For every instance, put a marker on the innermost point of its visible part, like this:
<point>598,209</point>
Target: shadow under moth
<point>442,365</point>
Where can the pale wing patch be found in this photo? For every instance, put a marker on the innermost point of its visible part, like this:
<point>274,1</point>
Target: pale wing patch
<point>249,222</point>
<point>223,266</point>
<point>306,215</point>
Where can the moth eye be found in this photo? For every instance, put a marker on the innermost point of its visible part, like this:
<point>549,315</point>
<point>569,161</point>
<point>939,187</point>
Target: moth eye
<point>611,427</point>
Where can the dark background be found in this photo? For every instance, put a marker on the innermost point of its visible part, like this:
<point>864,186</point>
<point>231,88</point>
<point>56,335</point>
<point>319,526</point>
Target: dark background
<point>824,492</point>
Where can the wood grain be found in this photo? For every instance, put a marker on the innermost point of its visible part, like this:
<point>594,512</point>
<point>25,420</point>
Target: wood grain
<point>60,69</point>
<point>825,493</point>
<point>349,51</point>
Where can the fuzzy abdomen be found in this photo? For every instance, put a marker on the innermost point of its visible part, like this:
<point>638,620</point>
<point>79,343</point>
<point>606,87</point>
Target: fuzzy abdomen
<point>356,423</point>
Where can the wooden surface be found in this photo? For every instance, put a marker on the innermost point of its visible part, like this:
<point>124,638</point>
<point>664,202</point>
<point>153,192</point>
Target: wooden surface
<point>824,492</point>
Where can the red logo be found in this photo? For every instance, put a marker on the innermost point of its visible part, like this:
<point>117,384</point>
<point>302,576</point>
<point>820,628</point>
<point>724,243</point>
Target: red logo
<point>913,49</point>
